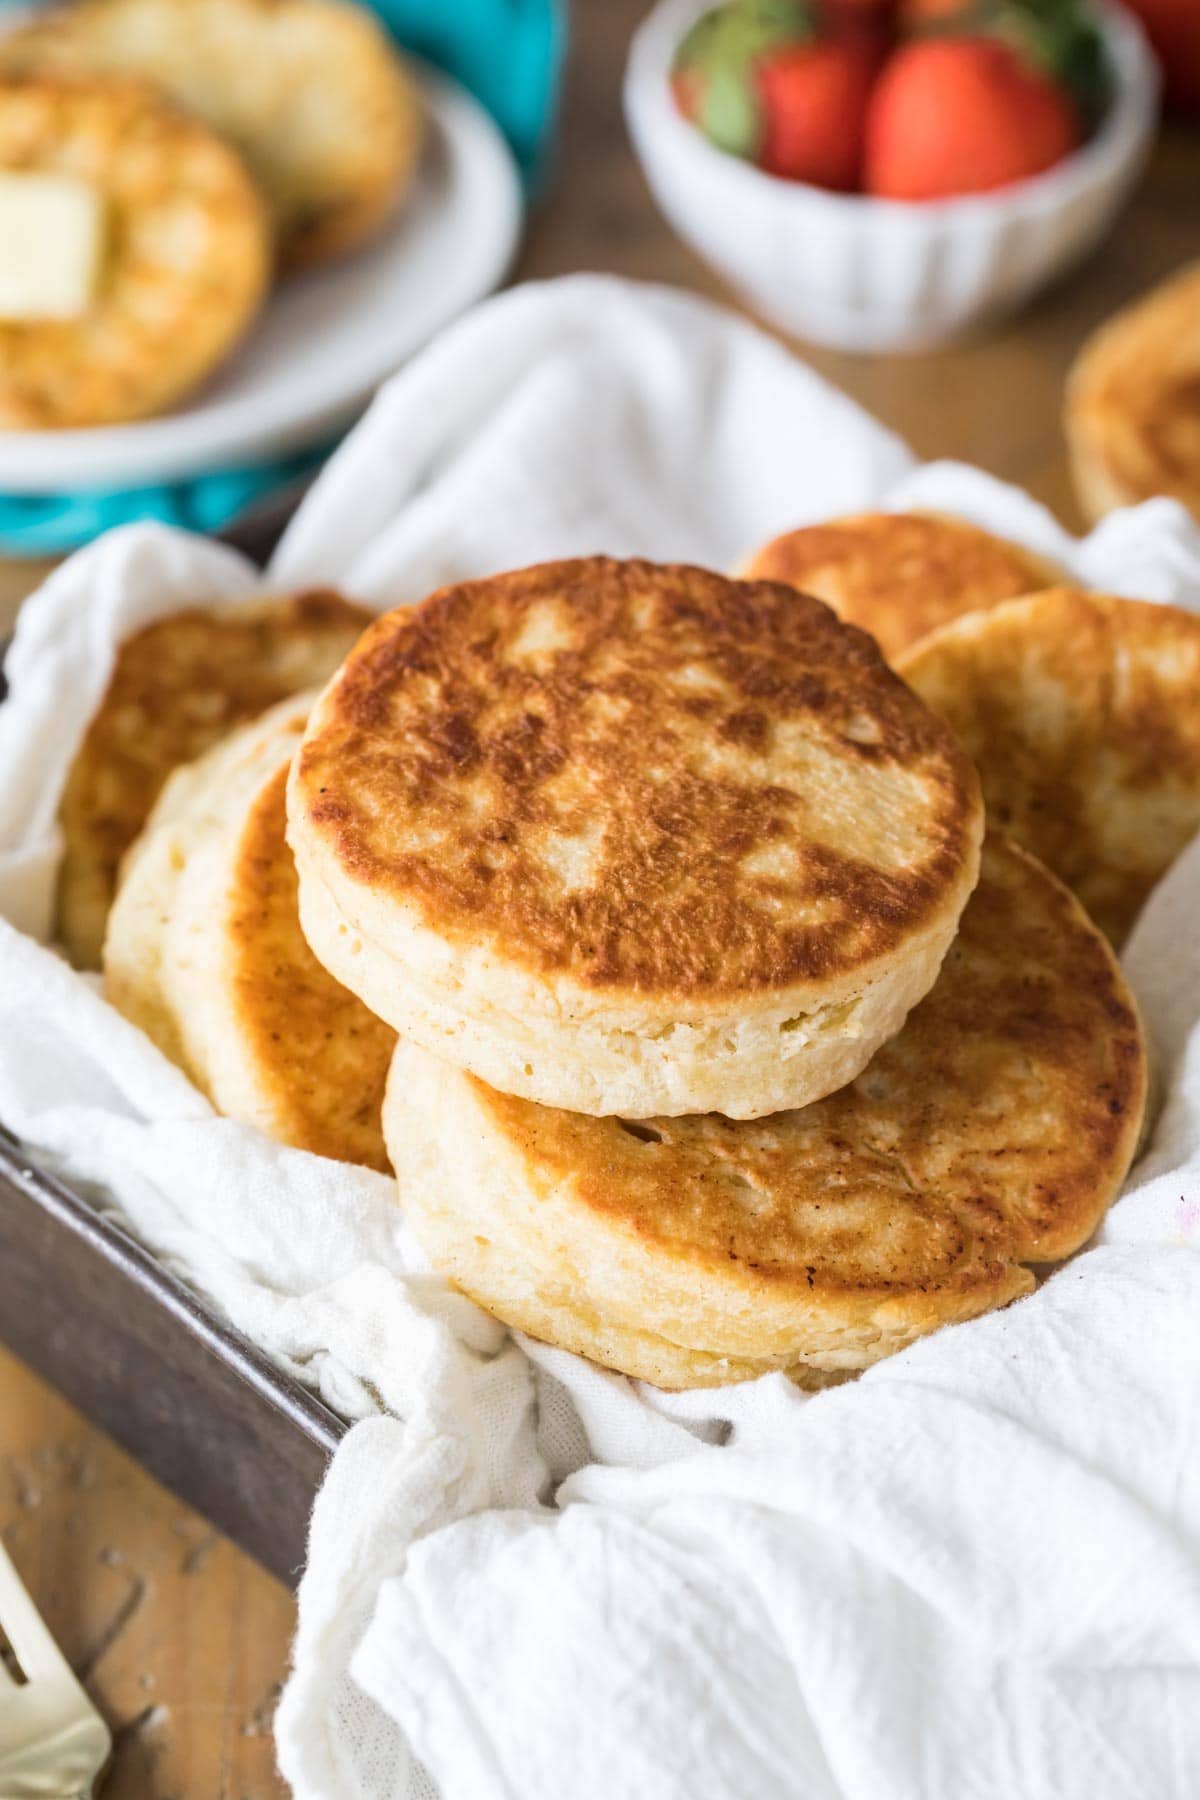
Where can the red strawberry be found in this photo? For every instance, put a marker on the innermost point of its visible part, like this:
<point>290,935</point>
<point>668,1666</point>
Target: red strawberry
<point>712,76</point>
<point>1058,38</point>
<point>871,35</point>
<point>871,23</point>
<point>1173,27</point>
<point>814,111</point>
<point>762,80</point>
<point>916,14</point>
<point>875,12</point>
<point>962,115</point>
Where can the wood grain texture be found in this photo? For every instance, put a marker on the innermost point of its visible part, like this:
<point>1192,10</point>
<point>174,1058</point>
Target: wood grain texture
<point>183,1640</point>
<point>180,1640</point>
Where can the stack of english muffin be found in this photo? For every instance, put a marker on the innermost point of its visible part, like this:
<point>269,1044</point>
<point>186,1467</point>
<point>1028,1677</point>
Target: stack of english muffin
<point>650,926</point>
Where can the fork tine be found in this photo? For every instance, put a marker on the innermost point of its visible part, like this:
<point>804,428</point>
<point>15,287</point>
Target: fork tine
<point>35,1649</point>
<point>52,1739</point>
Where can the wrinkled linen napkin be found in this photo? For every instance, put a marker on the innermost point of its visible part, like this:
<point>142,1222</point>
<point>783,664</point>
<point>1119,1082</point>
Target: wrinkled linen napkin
<point>975,1572</point>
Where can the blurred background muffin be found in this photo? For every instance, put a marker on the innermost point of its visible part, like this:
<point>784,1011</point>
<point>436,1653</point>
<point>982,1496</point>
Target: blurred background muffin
<point>137,251</point>
<point>179,150</point>
<point>1133,403</point>
<point>311,92</point>
<point>389,187</point>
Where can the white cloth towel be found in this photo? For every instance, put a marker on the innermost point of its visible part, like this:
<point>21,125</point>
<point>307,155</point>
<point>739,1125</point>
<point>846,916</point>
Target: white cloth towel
<point>973,1573</point>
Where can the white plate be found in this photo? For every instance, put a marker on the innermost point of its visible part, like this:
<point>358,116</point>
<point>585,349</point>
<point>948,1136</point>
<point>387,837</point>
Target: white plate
<point>325,340</point>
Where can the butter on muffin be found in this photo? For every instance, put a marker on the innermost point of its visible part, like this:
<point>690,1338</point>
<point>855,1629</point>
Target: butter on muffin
<point>311,92</point>
<point>174,250</point>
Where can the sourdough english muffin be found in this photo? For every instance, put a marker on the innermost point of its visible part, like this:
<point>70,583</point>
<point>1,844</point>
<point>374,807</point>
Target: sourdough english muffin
<point>901,575</point>
<point>988,1136</point>
<point>204,952</point>
<point>310,91</point>
<point>178,686</point>
<point>631,838</point>
<point>177,253</point>
<point>1082,714</point>
<point>1133,403</point>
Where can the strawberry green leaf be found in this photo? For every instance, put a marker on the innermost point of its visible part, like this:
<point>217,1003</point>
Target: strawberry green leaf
<point>732,37</point>
<point>730,113</point>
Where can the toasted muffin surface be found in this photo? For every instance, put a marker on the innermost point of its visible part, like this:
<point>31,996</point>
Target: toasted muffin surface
<point>901,575</point>
<point>989,1134</point>
<point>1133,402</point>
<point>177,687</point>
<point>185,264</point>
<point>310,91</point>
<point>644,777</point>
<point>204,951</point>
<point>634,799</point>
<point>1082,713</point>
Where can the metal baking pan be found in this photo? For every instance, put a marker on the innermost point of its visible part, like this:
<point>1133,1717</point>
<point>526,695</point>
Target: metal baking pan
<point>135,1349</point>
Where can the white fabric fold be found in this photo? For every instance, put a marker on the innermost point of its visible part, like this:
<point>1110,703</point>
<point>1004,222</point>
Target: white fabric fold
<point>973,1573</point>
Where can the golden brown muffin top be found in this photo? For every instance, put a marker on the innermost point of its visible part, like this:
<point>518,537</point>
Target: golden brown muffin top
<point>179,685</point>
<point>647,778</point>
<point>990,1134</point>
<point>901,575</point>
<point>310,92</point>
<point>322,1057</point>
<point>1082,713</point>
<point>1133,398</point>
<point>186,253</point>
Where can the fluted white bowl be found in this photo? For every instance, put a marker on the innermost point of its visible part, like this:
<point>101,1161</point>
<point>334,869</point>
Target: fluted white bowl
<point>865,274</point>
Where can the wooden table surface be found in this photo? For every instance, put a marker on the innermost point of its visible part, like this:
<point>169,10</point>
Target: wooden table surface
<point>181,1639</point>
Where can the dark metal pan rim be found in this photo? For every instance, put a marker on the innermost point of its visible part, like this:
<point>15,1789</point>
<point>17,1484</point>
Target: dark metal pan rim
<point>118,1247</point>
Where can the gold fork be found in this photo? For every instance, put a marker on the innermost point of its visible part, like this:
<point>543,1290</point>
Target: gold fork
<point>53,1742</point>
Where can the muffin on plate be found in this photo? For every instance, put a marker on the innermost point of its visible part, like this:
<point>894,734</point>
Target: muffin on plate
<point>159,237</point>
<point>310,91</point>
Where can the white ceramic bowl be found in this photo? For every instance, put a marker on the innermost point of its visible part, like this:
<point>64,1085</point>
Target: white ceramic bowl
<point>866,274</point>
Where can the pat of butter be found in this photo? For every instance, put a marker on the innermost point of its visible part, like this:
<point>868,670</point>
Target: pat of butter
<point>51,232</point>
